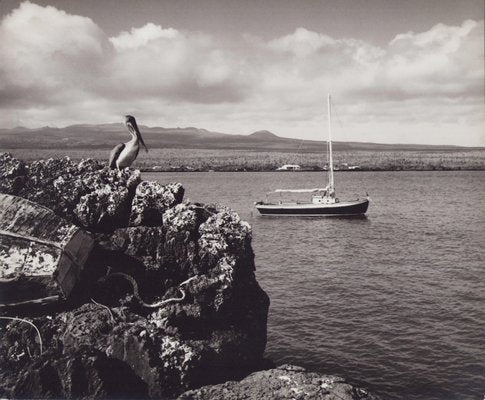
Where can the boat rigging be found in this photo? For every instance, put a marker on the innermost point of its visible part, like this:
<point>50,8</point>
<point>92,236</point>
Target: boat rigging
<point>323,200</point>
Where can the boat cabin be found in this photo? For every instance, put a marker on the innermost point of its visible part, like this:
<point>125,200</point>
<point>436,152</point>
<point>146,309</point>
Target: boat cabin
<point>289,167</point>
<point>324,199</point>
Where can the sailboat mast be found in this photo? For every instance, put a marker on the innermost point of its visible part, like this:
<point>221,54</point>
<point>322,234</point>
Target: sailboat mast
<point>330,154</point>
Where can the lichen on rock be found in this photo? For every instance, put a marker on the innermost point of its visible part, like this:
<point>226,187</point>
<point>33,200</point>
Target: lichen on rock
<point>152,200</point>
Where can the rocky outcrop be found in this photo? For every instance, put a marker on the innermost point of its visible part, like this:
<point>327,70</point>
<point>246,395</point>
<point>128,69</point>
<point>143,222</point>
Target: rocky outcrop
<point>95,198</point>
<point>84,373</point>
<point>152,200</point>
<point>12,173</point>
<point>284,382</point>
<point>167,301</point>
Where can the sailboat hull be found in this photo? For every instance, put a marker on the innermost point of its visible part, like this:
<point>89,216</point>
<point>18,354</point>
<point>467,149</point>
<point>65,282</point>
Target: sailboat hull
<point>357,207</point>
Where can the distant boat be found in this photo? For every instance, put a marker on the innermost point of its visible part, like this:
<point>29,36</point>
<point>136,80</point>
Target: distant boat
<point>323,200</point>
<point>289,167</point>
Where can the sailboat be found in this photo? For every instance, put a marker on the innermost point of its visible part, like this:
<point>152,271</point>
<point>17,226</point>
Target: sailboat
<point>323,201</point>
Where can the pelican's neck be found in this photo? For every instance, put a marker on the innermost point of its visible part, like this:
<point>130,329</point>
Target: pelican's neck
<point>133,141</point>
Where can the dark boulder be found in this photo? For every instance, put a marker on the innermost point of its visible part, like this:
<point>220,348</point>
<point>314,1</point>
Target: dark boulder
<point>85,373</point>
<point>12,174</point>
<point>284,382</point>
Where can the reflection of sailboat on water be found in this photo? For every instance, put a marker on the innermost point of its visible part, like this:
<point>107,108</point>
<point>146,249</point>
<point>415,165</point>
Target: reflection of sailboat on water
<point>323,200</point>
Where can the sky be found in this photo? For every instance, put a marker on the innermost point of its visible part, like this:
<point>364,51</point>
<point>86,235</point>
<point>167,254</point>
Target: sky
<point>398,71</point>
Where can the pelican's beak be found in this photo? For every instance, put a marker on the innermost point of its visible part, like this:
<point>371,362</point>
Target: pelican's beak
<point>138,134</point>
<point>132,126</point>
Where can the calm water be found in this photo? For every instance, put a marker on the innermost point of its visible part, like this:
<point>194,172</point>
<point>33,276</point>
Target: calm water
<point>396,301</point>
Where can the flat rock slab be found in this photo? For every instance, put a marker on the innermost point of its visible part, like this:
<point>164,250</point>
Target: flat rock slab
<point>41,254</point>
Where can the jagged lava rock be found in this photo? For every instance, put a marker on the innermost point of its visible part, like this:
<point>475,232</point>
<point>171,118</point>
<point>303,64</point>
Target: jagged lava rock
<point>85,373</point>
<point>152,200</point>
<point>284,382</point>
<point>185,309</point>
<point>181,225</point>
<point>86,193</point>
<point>103,196</point>
<point>143,243</point>
<point>12,173</point>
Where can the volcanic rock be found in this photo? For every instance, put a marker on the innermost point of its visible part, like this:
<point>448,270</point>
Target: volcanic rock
<point>86,193</point>
<point>167,301</point>
<point>85,373</point>
<point>284,382</point>
<point>12,172</point>
<point>151,200</point>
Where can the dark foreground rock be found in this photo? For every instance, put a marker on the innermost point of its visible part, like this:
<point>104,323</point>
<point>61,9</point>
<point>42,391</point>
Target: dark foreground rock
<point>284,382</point>
<point>167,300</point>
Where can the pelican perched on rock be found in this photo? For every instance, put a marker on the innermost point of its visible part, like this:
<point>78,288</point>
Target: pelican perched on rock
<point>124,154</point>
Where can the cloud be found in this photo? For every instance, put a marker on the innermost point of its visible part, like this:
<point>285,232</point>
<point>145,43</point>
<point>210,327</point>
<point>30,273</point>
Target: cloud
<point>140,37</point>
<point>50,57</point>
<point>303,43</point>
<point>46,54</point>
<point>57,68</point>
<point>419,81</point>
<point>444,61</point>
<point>155,62</point>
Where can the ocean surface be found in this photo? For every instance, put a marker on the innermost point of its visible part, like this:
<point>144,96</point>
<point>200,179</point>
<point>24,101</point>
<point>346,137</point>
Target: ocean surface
<point>395,301</point>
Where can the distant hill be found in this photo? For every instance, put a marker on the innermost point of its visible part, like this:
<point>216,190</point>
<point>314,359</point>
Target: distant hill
<point>106,136</point>
<point>263,135</point>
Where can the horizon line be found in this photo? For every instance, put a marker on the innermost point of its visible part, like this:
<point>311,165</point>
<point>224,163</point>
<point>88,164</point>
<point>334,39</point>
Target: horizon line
<point>249,134</point>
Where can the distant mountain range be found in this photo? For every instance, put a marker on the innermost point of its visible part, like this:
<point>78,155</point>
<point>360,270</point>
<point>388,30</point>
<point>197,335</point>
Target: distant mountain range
<point>106,136</point>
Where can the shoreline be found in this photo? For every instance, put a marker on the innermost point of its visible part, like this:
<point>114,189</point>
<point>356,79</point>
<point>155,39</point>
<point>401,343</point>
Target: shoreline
<point>178,170</point>
<point>196,160</point>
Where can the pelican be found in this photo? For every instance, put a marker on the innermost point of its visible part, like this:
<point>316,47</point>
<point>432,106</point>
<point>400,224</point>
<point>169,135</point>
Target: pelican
<point>124,154</point>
